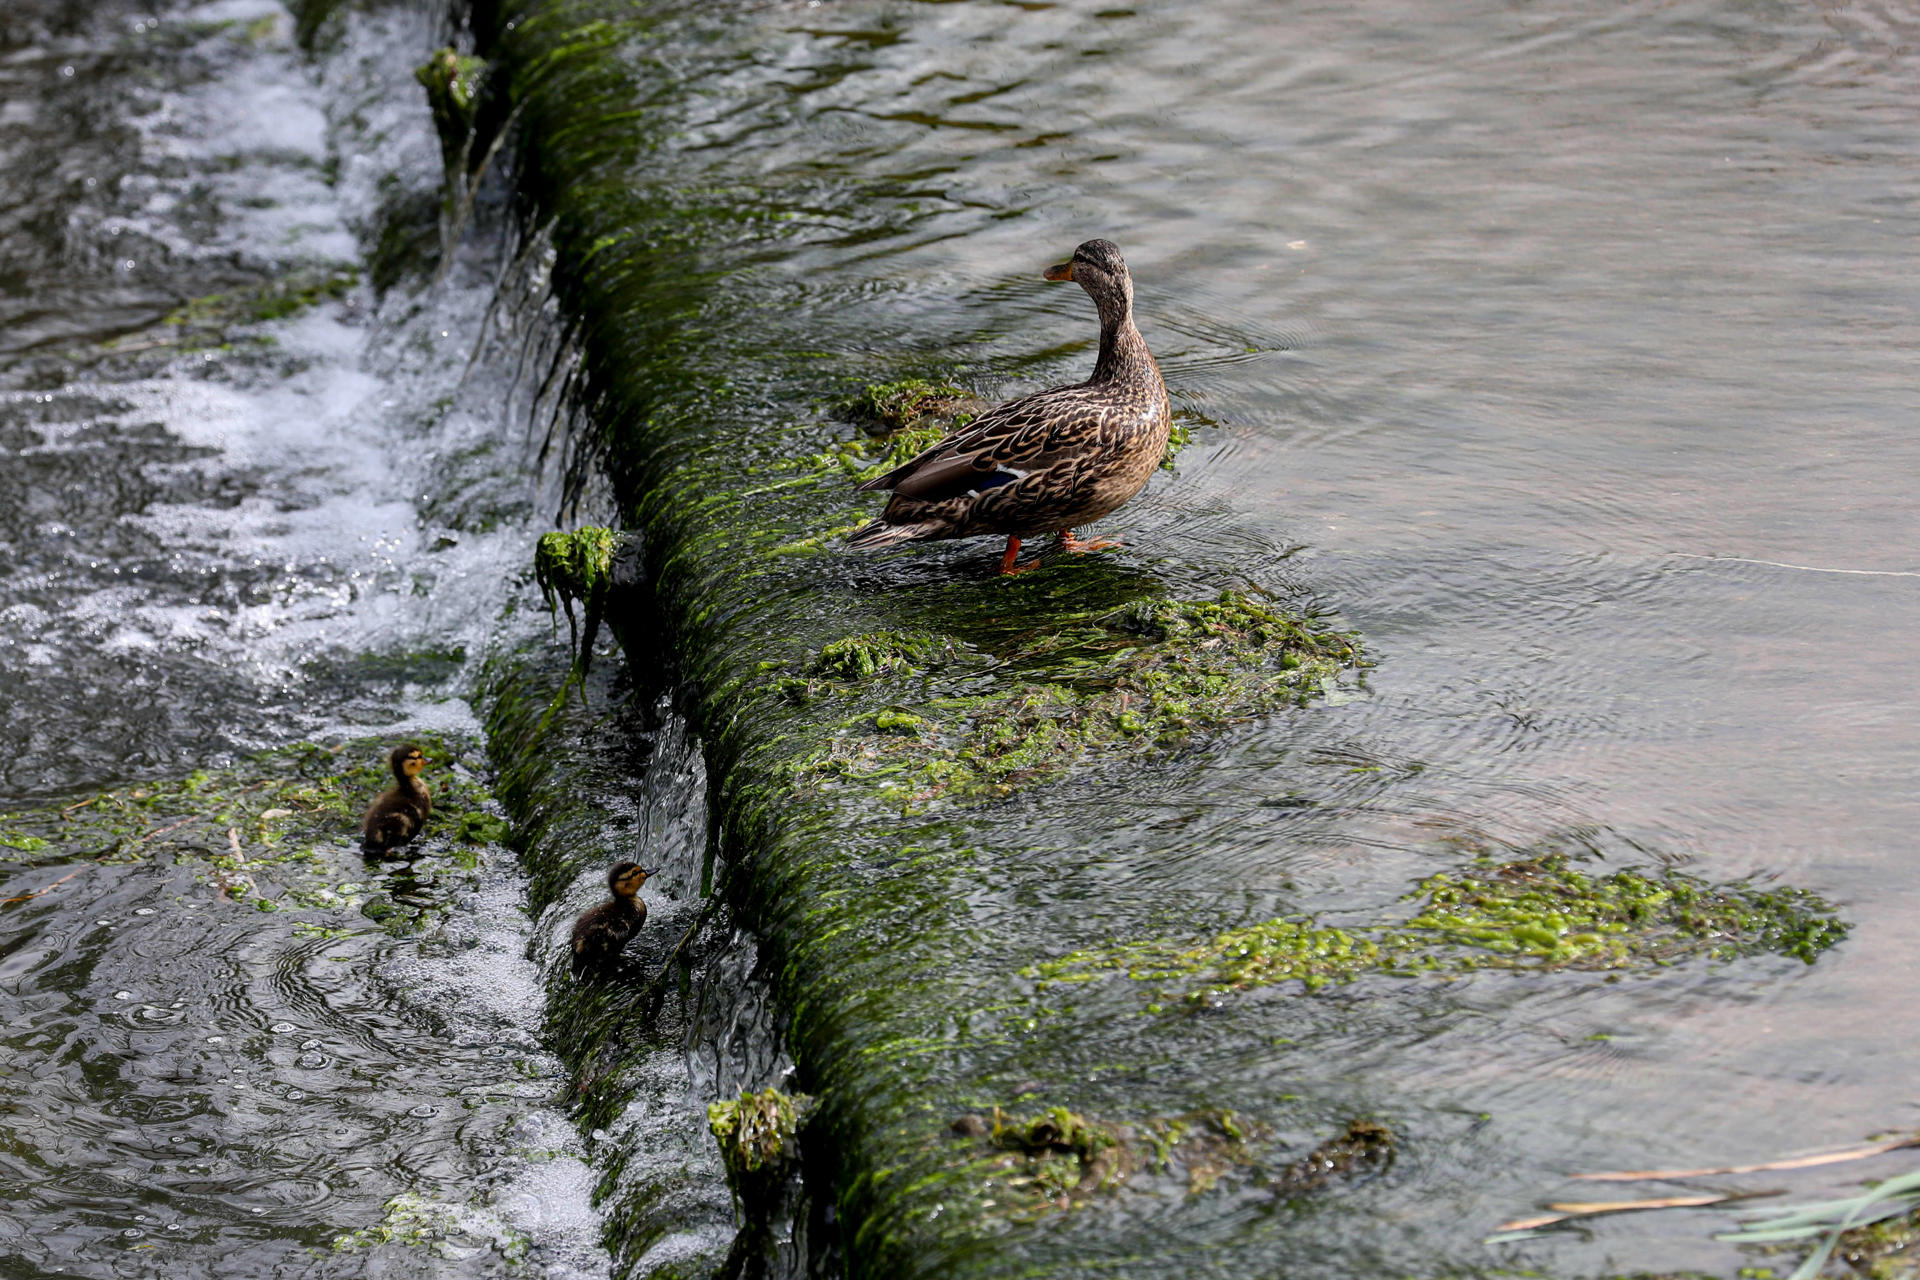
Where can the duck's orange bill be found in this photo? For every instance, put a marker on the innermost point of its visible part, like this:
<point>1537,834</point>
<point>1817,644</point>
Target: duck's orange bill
<point>1062,272</point>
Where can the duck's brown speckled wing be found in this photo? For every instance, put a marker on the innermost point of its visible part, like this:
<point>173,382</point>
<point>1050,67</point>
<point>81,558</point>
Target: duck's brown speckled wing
<point>1005,444</point>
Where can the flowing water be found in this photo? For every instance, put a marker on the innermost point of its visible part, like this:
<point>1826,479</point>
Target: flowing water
<point>244,502</point>
<point>1564,352</point>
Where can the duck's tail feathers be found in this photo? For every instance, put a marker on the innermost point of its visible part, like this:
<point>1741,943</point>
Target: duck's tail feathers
<point>386,832</point>
<point>881,534</point>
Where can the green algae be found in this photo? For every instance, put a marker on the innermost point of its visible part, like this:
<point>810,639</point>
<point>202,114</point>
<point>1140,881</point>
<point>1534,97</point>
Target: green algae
<point>881,653</point>
<point>1365,1144</point>
<point>863,457</point>
<point>1056,1158</point>
<point>439,1228</point>
<point>1258,955</point>
<point>1888,1250</point>
<point>574,568</point>
<point>1547,912</point>
<point>1142,680</point>
<point>1537,913</point>
<point>220,321</point>
<point>453,82</point>
<point>758,1132</point>
<point>884,407</point>
<point>1059,1159</point>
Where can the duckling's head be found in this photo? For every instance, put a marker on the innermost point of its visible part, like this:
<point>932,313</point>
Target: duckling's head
<point>626,878</point>
<point>1097,267</point>
<point>407,760</point>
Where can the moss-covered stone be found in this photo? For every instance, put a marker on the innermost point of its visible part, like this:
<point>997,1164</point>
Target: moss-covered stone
<point>1366,1144</point>
<point>1139,681</point>
<point>884,407</point>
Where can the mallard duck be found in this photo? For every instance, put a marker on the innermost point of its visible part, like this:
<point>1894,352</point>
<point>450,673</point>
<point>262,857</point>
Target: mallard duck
<point>602,932</point>
<point>1046,463</point>
<point>397,814</point>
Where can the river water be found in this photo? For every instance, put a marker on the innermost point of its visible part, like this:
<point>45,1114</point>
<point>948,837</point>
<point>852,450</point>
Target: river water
<point>245,501</point>
<point>1563,352</point>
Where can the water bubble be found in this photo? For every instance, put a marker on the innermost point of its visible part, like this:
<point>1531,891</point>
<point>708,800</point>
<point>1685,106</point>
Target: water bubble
<point>143,911</point>
<point>66,71</point>
<point>598,1135</point>
<point>282,1028</point>
<point>216,1039</point>
<point>309,1044</point>
<point>103,922</point>
<point>133,1233</point>
<point>423,1111</point>
<point>178,1004</point>
<point>295,1095</point>
<point>312,1061</point>
<point>123,995</point>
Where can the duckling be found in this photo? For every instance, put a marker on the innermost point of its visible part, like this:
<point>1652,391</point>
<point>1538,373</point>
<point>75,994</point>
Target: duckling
<point>602,932</point>
<point>399,812</point>
<point>1049,462</point>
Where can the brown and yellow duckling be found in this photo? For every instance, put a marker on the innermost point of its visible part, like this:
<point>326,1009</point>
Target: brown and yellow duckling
<point>601,933</point>
<point>1049,462</point>
<point>398,813</point>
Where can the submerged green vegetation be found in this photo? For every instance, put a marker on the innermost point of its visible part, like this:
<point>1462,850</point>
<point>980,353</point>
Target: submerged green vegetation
<point>886,407</point>
<point>1057,1159</point>
<point>1537,913</point>
<point>1143,680</point>
<point>442,1230</point>
<point>453,82</point>
<point>279,831</point>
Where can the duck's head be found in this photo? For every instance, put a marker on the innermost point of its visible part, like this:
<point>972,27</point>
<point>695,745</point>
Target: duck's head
<point>1097,267</point>
<point>626,878</point>
<point>407,760</point>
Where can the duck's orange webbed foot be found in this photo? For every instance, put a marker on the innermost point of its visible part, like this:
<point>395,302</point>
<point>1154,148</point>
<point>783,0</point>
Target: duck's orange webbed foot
<point>1007,562</point>
<point>1068,543</point>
